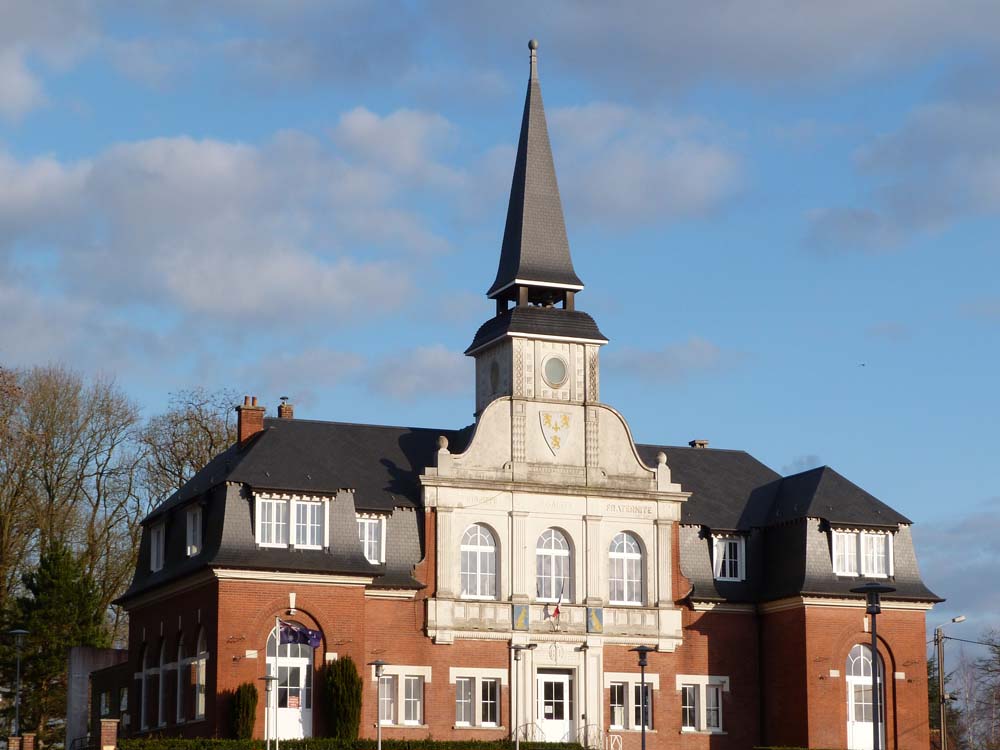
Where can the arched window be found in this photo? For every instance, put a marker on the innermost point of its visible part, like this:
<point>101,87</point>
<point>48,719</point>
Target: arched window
<point>161,686</point>
<point>552,566</point>
<point>479,563</point>
<point>294,664</point>
<point>625,570</point>
<point>182,676</point>
<point>858,673</point>
<point>145,668</point>
<point>201,667</point>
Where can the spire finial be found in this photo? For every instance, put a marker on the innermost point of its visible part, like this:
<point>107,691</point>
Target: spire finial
<point>533,46</point>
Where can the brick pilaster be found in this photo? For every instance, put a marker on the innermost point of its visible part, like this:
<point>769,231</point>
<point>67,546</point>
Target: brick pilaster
<point>109,734</point>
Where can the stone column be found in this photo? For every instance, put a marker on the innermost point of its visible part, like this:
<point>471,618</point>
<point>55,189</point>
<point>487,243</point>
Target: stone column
<point>597,560</point>
<point>445,553</point>
<point>664,562</point>
<point>519,557</point>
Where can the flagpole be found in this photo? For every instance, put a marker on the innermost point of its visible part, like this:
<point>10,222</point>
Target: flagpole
<point>277,653</point>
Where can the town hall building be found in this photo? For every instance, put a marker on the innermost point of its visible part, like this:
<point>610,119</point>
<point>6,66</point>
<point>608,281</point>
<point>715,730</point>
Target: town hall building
<point>502,571</point>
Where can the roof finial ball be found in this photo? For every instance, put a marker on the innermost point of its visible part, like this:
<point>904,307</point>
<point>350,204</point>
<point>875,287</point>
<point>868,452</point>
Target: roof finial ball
<point>533,46</point>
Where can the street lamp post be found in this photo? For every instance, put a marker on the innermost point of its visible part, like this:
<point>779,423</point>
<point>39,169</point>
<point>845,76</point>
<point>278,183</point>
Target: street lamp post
<point>643,717</point>
<point>942,696</point>
<point>379,667</point>
<point>270,726</point>
<point>873,593</point>
<point>18,634</point>
<point>517,649</point>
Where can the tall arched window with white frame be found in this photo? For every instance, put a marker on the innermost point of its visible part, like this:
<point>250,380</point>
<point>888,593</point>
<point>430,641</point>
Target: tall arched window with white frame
<point>161,687</point>
<point>625,570</point>
<point>201,670</point>
<point>479,563</point>
<point>553,564</point>
<point>182,673</point>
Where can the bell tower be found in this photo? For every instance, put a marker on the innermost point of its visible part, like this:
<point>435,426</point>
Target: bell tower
<point>538,345</point>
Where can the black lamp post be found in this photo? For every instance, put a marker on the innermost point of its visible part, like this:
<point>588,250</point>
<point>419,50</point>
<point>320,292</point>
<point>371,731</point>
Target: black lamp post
<point>643,718</point>
<point>517,649</point>
<point>379,667</point>
<point>268,681</point>
<point>18,634</point>
<point>873,593</point>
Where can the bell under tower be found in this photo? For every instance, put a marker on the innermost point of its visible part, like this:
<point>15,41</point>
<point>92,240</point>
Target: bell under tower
<point>538,345</point>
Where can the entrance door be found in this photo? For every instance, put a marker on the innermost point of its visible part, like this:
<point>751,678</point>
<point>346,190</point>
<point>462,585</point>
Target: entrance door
<point>859,699</point>
<point>291,697</point>
<point>555,706</point>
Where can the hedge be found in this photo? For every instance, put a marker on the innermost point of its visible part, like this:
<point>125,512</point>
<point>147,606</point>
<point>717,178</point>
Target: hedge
<point>331,743</point>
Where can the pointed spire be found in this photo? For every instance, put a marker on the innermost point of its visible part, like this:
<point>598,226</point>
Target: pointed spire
<point>535,263</point>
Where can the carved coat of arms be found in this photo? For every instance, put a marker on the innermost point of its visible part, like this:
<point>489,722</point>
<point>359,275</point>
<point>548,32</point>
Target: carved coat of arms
<point>555,429</point>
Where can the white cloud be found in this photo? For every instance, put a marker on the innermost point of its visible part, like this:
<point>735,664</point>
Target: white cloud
<point>296,374</point>
<point>674,362</point>
<point>622,165</point>
<point>418,372</point>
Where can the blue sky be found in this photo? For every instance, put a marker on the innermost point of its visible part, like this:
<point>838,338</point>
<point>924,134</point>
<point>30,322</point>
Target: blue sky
<point>785,215</point>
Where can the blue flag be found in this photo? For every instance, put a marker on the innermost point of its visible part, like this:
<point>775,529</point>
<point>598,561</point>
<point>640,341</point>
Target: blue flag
<point>292,633</point>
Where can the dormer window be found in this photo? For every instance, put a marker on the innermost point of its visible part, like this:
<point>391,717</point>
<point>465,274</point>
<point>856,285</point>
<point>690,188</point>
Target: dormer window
<point>157,536</point>
<point>299,522</point>
<point>729,557</point>
<point>193,525</point>
<point>865,553</point>
<point>371,532</point>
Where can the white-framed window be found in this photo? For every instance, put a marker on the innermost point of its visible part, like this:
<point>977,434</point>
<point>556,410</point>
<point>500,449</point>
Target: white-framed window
<point>689,707</point>
<point>193,525</point>
<point>401,694</point>
<point>617,701</point>
<point>413,699</point>
<point>873,549</point>
<point>479,563</point>
<point>553,564</point>
<point>728,557</point>
<point>625,696</point>
<point>387,699</point>
<point>201,675</point>
<point>463,701</point>
<point>477,695</point>
<point>371,532</point>
<point>489,702</point>
<point>296,521</point>
<point>157,538</point>
<point>272,522</point>
<point>309,524</point>
<point>625,570</point>
<point>122,700</point>
<point>643,710</point>
<point>105,703</point>
<point>701,702</point>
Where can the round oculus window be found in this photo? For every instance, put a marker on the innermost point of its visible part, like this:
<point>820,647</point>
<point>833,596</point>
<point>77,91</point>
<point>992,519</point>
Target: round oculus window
<point>554,371</point>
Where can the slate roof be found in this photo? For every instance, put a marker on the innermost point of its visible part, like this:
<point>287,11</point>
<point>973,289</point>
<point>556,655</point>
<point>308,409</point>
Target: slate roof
<point>823,493</point>
<point>541,321</point>
<point>535,247</point>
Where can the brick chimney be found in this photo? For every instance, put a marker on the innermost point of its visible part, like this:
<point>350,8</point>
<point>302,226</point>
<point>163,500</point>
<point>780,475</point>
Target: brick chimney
<point>698,443</point>
<point>285,409</point>
<point>250,419</point>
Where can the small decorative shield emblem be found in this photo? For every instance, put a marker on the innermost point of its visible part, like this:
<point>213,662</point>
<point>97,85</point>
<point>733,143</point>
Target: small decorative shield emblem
<point>555,429</point>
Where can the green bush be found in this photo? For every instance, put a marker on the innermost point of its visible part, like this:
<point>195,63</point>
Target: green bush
<point>341,698</point>
<point>243,711</point>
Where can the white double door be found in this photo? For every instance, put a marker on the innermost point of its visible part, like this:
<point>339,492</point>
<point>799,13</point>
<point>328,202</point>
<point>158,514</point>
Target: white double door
<point>554,712</point>
<point>860,713</point>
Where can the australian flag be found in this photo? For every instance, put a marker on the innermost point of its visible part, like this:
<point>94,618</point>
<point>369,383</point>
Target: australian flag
<point>292,633</point>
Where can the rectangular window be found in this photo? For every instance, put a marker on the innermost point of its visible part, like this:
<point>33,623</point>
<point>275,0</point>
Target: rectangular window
<point>105,703</point>
<point>370,532</point>
<point>728,556</point>
<point>387,699</point>
<point>463,701</point>
<point>193,530</point>
<point>413,699</point>
<point>122,700</point>
<point>875,555</point>
<point>490,703</point>
<point>308,524</point>
<point>713,708</point>
<point>845,553</point>
<point>156,542</point>
<point>689,706</point>
<point>273,523</point>
<point>617,705</point>
<point>643,716</point>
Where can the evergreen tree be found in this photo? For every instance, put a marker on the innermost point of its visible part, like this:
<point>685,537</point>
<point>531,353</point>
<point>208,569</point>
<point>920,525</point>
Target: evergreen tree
<point>342,698</point>
<point>60,608</point>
